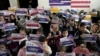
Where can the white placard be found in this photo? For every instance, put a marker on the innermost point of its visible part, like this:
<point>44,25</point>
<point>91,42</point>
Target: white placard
<point>31,24</point>
<point>42,18</point>
<point>9,27</point>
<point>34,48</point>
<point>65,54</point>
<point>66,41</point>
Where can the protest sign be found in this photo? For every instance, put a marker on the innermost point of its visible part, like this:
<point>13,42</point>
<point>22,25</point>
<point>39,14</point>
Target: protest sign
<point>9,27</point>
<point>34,37</point>
<point>65,54</point>
<point>21,12</point>
<point>66,41</point>
<point>1,25</point>
<point>43,19</point>
<point>89,38</point>
<point>4,54</point>
<point>31,24</point>
<point>17,37</point>
<point>34,48</point>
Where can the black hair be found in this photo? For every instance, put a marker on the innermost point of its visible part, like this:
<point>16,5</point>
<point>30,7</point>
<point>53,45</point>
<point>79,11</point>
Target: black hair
<point>42,38</point>
<point>82,24</point>
<point>22,44</point>
<point>63,30</point>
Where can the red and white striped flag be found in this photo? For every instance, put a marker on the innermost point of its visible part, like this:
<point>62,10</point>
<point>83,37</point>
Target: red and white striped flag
<point>80,3</point>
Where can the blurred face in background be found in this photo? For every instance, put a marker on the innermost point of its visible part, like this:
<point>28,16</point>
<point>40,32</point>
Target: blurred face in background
<point>95,28</point>
<point>71,21</point>
<point>83,28</point>
<point>1,18</point>
<point>23,32</point>
<point>2,47</point>
<point>65,33</point>
<point>55,27</point>
<point>12,17</point>
<point>82,47</point>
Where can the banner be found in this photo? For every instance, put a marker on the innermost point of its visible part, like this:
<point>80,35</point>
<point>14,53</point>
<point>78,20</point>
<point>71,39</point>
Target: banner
<point>17,37</point>
<point>66,41</point>
<point>89,38</point>
<point>9,27</point>
<point>65,54</point>
<point>34,37</point>
<point>34,48</point>
<point>31,24</point>
<point>43,19</point>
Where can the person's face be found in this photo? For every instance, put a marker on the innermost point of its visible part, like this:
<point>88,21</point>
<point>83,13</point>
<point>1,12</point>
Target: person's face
<point>2,48</point>
<point>22,32</point>
<point>65,33</point>
<point>83,28</point>
<point>95,27</point>
<point>12,17</point>
<point>82,47</point>
<point>1,18</point>
<point>71,21</point>
<point>55,27</point>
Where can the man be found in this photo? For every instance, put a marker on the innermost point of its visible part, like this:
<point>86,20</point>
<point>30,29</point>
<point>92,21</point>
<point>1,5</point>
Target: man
<point>80,32</point>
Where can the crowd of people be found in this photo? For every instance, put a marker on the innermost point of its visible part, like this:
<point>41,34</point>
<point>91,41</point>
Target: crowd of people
<point>60,27</point>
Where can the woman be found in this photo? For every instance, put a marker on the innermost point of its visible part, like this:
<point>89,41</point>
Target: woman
<point>81,50</point>
<point>53,39</point>
<point>46,49</point>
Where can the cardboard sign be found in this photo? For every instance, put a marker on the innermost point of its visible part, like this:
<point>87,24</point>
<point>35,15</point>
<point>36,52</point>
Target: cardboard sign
<point>65,54</point>
<point>9,27</point>
<point>66,41</point>
<point>34,37</point>
<point>31,24</point>
<point>89,38</point>
<point>34,48</point>
<point>42,19</point>
<point>17,37</point>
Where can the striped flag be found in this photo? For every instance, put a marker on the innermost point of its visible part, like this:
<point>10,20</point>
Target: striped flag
<point>80,3</point>
<point>71,3</point>
<point>60,2</point>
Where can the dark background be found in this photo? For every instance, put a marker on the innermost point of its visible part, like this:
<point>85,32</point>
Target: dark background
<point>4,4</point>
<point>25,3</point>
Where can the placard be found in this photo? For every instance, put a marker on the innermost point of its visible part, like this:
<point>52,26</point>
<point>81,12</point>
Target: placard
<point>4,54</point>
<point>88,17</point>
<point>34,48</point>
<point>31,24</point>
<point>17,37</point>
<point>66,41</point>
<point>33,12</point>
<point>89,38</point>
<point>9,27</point>
<point>21,11</point>
<point>34,37</point>
<point>65,54</point>
<point>1,25</point>
<point>43,19</point>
